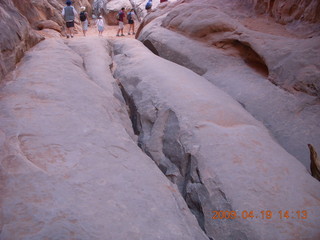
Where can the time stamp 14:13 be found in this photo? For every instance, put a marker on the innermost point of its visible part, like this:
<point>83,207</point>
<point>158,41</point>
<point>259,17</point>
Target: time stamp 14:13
<point>282,214</point>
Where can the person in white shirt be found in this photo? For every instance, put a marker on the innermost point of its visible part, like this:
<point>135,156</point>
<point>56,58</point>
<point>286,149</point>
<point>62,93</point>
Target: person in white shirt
<point>100,25</point>
<point>69,14</point>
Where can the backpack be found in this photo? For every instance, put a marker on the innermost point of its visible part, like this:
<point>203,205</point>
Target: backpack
<point>148,5</point>
<point>118,16</point>
<point>129,16</point>
<point>83,16</point>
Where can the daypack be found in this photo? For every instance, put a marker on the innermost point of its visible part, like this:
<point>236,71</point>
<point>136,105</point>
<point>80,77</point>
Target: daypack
<point>118,16</point>
<point>129,16</point>
<point>148,5</point>
<point>83,16</point>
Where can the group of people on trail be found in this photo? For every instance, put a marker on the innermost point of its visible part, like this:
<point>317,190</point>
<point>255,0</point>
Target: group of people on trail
<point>69,13</point>
<point>130,17</point>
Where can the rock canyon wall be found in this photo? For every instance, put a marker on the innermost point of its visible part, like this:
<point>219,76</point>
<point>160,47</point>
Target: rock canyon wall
<point>16,37</point>
<point>285,11</point>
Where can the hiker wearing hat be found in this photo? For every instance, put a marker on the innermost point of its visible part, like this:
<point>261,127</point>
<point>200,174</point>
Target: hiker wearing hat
<point>69,14</point>
<point>149,6</point>
<point>84,20</point>
<point>100,25</point>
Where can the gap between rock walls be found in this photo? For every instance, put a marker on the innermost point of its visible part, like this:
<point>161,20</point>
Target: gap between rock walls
<point>183,172</point>
<point>179,166</point>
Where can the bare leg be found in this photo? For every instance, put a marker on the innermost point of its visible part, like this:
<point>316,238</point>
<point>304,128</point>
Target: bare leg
<point>71,31</point>
<point>68,32</point>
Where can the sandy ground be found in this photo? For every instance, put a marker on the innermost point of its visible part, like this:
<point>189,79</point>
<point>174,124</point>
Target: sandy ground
<point>266,25</point>
<point>109,32</point>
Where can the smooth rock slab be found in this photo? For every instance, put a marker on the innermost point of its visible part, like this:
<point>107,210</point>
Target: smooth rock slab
<point>68,167</point>
<point>292,118</point>
<point>220,157</point>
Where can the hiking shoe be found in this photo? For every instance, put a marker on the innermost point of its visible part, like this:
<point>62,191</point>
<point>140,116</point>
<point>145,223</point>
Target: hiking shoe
<point>133,33</point>
<point>67,36</point>
<point>122,34</point>
<point>117,35</point>
<point>128,33</point>
<point>72,36</point>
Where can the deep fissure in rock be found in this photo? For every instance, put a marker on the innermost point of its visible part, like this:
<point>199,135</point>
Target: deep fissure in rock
<point>245,51</point>
<point>132,110</point>
<point>151,47</point>
<point>179,166</point>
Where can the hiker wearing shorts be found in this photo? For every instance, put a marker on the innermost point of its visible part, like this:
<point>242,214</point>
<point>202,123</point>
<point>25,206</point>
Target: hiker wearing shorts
<point>130,17</point>
<point>100,25</point>
<point>84,20</point>
<point>121,25</point>
<point>69,14</point>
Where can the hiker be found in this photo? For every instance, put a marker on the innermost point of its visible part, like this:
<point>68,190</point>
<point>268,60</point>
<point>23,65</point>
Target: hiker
<point>84,20</point>
<point>100,25</point>
<point>69,14</point>
<point>131,17</point>
<point>120,17</point>
<point>149,6</point>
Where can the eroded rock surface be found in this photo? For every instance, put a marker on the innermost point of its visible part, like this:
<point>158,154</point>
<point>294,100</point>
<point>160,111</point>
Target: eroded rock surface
<point>286,11</point>
<point>40,10</point>
<point>68,166</point>
<point>220,157</point>
<point>16,37</point>
<point>276,78</point>
<point>17,20</point>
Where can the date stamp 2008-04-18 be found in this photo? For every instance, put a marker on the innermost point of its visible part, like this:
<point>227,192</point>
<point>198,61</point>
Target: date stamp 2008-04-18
<point>267,214</point>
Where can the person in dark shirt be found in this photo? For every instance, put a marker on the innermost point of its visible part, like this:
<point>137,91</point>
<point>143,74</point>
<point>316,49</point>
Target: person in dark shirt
<point>121,24</point>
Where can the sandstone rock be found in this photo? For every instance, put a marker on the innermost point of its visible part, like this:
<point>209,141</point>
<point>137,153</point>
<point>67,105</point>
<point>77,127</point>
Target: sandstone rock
<point>69,169</point>
<point>39,10</point>
<point>110,8</point>
<point>285,11</point>
<point>243,62</point>
<point>47,24</point>
<point>16,37</point>
<point>49,33</point>
<point>220,157</point>
<point>44,10</point>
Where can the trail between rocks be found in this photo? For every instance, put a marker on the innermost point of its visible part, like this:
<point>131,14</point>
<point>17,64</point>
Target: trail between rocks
<point>74,166</point>
<point>69,168</point>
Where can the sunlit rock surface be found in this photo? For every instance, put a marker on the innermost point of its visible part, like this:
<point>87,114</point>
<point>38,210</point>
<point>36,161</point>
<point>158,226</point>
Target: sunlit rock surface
<point>68,166</point>
<point>274,75</point>
<point>220,157</point>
